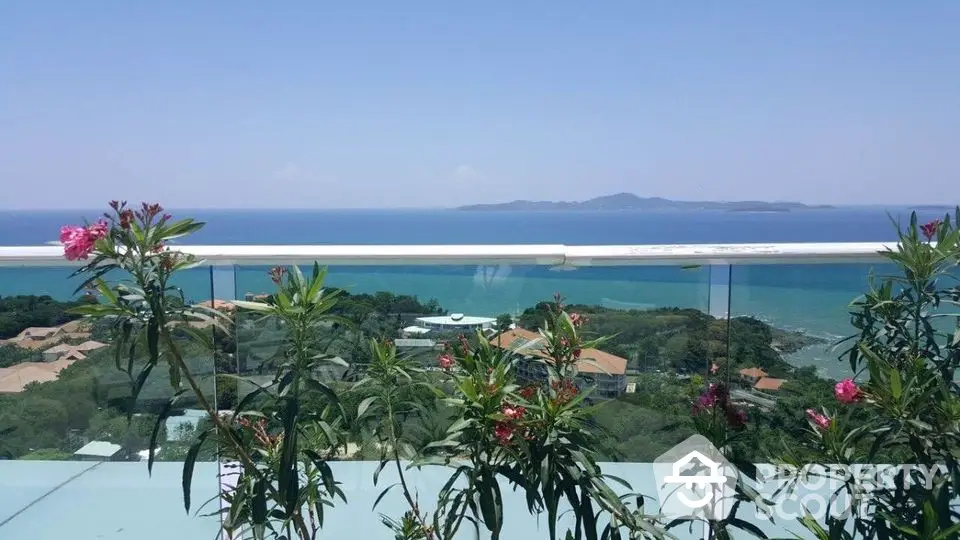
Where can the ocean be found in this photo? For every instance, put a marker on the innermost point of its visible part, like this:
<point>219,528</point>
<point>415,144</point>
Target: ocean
<point>809,298</point>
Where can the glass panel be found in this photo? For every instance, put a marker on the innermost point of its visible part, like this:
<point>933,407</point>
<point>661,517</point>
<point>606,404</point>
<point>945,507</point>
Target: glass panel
<point>777,379</point>
<point>808,303</point>
<point>63,417</point>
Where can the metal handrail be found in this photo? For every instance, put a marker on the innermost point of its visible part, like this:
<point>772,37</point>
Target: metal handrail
<point>539,254</point>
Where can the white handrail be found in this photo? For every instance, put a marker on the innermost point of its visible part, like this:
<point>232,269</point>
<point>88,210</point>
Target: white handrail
<point>542,255</point>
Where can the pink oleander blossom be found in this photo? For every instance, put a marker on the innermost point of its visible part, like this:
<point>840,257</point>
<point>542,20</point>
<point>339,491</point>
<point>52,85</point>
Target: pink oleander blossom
<point>503,432</point>
<point>577,319</point>
<point>822,421</point>
<point>446,361</point>
<point>930,229</point>
<point>98,230</point>
<point>846,391</point>
<point>77,242</point>
<point>513,412</point>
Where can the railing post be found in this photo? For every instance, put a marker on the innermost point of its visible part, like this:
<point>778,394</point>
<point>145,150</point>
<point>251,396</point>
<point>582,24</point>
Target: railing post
<point>223,286</point>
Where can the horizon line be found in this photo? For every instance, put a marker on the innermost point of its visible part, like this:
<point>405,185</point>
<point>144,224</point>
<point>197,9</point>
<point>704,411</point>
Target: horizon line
<point>812,206</point>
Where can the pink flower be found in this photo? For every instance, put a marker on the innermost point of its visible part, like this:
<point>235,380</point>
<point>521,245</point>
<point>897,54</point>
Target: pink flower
<point>98,230</point>
<point>930,229</point>
<point>846,391</point>
<point>503,432</point>
<point>513,412</point>
<point>277,273</point>
<point>445,361</point>
<point>822,421</point>
<point>577,319</point>
<point>77,242</point>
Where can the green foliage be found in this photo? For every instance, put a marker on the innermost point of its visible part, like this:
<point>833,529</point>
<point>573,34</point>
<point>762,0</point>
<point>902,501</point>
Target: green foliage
<point>538,439</point>
<point>11,355</point>
<point>18,313</point>
<point>286,431</point>
<point>394,389</point>
<point>47,454</point>
<point>907,349</point>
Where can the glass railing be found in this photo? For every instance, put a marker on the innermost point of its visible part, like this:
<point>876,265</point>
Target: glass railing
<point>756,318</point>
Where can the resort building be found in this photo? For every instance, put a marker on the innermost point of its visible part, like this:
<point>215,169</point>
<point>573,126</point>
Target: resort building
<point>455,322</point>
<point>604,371</point>
<point>66,351</point>
<point>414,343</point>
<point>769,383</point>
<point>414,331</point>
<point>217,304</point>
<point>56,352</point>
<point>44,337</point>
<point>752,375</point>
<point>98,451</point>
<point>15,378</point>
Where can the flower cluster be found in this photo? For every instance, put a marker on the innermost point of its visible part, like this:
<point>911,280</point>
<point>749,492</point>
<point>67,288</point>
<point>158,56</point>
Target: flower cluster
<point>528,391</point>
<point>259,431</point>
<point>445,361</point>
<point>78,242</point>
<point>846,391</point>
<point>717,399</point>
<point>820,420</point>
<point>930,229</point>
<point>505,430</point>
<point>145,214</point>
<point>565,390</point>
<point>276,274</point>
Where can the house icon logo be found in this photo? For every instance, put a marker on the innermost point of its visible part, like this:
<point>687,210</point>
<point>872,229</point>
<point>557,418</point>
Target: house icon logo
<point>694,480</point>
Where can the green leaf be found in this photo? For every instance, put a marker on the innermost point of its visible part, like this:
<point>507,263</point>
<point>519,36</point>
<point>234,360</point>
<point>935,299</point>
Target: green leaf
<point>252,306</point>
<point>364,405</point>
<point>383,494</point>
<point>747,526</point>
<point>161,420</point>
<point>896,387</point>
<point>459,425</point>
<point>188,465</point>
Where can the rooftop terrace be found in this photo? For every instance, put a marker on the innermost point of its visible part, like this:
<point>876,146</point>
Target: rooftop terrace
<point>799,291</point>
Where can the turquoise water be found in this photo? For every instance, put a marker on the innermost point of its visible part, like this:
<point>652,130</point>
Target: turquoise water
<point>809,298</point>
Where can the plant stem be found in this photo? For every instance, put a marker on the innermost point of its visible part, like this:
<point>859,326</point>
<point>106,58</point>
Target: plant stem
<point>245,459</point>
<point>396,460</point>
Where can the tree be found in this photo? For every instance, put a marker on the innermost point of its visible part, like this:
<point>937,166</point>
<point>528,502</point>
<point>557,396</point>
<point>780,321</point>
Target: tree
<point>504,321</point>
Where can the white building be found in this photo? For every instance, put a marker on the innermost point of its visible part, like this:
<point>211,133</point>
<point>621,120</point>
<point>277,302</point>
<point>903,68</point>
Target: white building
<point>455,322</point>
<point>98,451</point>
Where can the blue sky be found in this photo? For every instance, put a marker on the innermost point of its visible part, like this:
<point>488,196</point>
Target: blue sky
<point>425,104</point>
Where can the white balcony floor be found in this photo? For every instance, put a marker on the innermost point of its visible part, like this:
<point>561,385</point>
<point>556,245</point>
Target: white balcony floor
<point>119,501</point>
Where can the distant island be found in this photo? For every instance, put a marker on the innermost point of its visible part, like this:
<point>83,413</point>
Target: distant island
<point>629,201</point>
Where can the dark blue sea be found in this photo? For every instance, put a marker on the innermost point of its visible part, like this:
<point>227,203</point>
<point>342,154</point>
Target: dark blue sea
<point>460,227</point>
<point>811,298</point>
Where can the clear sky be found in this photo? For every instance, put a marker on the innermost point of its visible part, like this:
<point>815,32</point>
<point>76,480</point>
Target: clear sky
<point>423,104</point>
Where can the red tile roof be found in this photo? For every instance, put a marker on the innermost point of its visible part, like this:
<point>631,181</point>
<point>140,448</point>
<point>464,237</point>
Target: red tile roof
<point>529,343</point>
<point>769,383</point>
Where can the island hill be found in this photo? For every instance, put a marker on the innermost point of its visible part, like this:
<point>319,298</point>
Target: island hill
<point>629,201</point>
